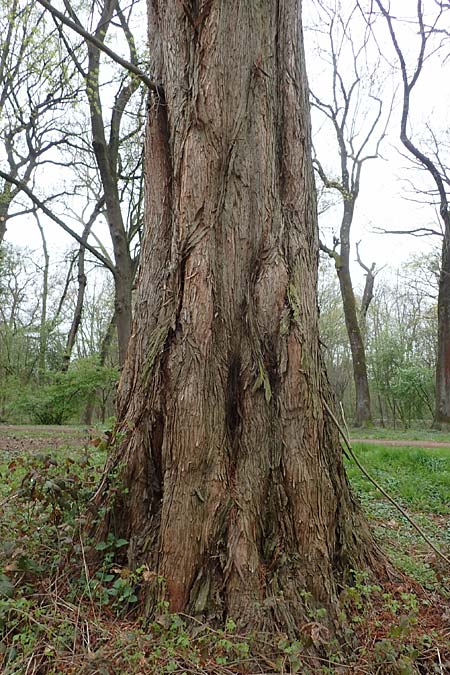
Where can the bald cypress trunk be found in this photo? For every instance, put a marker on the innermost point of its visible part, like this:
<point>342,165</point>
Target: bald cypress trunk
<point>235,488</point>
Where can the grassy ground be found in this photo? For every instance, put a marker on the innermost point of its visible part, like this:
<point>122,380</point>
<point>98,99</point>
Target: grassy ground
<point>419,479</point>
<point>57,619</point>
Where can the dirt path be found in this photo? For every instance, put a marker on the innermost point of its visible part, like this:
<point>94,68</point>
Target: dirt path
<point>400,443</point>
<point>16,438</point>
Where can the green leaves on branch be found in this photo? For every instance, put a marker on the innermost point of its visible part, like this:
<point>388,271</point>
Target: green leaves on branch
<point>64,395</point>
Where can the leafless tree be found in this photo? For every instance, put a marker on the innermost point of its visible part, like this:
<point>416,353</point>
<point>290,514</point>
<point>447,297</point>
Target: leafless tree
<point>107,136</point>
<point>430,159</point>
<point>352,106</point>
<point>36,86</point>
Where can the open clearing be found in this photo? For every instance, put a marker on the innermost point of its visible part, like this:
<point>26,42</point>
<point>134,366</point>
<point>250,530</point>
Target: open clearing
<point>17,438</point>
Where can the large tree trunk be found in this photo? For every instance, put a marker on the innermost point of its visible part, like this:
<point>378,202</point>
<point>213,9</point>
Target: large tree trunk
<point>442,407</point>
<point>235,487</point>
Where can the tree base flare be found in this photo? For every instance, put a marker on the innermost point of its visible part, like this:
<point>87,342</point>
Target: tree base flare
<point>249,560</point>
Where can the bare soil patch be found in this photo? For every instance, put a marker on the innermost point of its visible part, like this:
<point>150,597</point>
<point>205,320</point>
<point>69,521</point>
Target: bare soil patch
<point>401,443</point>
<point>16,438</point>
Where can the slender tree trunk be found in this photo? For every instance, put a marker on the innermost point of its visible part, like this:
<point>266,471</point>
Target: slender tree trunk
<point>363,413</point>
<point>4,208</point>
<point>123,273</point>
<point>43,327</point>
<point>76,319</point>
<point>82,282</point>
<point>442,407</point>
<point>355,324</point>
<point>106,154</point>
<point>367,296</point>
<point>235,490</point>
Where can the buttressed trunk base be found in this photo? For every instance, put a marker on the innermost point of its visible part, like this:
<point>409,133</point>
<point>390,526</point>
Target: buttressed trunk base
<point>235,491</point>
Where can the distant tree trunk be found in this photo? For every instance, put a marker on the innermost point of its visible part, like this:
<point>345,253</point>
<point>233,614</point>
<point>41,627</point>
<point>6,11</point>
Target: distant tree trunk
<point>107,155</point>
<point>82,282</point>
<point>442,407</point>
<point>123,272</point>
<point>367,296</point>
<point>4,208</point>
<point>363,413</point>
<point>436,169</point>
<point>43,327</point>
<point>76,319</point>
<point>234,486</point>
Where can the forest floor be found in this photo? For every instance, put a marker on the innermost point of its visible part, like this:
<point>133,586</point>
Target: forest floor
<point>35,438</point>
<point>57,619</point>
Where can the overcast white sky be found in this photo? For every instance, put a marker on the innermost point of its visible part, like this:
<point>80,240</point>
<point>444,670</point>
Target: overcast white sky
<point>382,202</point>
<point>385,200</point>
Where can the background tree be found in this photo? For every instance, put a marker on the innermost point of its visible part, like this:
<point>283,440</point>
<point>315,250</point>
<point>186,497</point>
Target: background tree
<point>400,347</point>
<point>107,139</point>
<point>112,141</point>
<point>432,162</point>
<point>333,334</point>
<point>233,484</point>
<point>351,104</point>
<point>36,86</point>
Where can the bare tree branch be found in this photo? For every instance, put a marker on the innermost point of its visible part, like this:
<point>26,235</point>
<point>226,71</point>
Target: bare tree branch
<point>41,205</point>
<point>131,67</point>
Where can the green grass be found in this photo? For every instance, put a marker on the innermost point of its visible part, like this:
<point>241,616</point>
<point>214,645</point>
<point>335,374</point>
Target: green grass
<point>419,477</point>
<point>419,480</point>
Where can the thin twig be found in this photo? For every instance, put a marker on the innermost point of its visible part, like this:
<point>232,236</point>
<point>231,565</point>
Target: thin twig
<point>131,67</point>
<point>441,669</point>
<point>6,499</point>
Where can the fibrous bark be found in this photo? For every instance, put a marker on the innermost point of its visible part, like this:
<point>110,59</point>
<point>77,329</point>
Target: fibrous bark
<point>226,476</point>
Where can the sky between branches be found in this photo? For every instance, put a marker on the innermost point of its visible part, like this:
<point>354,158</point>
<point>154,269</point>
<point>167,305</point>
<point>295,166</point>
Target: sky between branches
<point>386,195</point>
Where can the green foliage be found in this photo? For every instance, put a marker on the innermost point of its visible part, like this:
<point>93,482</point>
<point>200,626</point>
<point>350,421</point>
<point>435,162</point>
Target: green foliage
<point>39,526</point>
<point>405,383</point>
<point>65,393</point>
<point>414,433</point>
<point>419,477</point>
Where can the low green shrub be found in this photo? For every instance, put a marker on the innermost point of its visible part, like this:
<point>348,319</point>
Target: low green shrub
<point>62,397</point>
